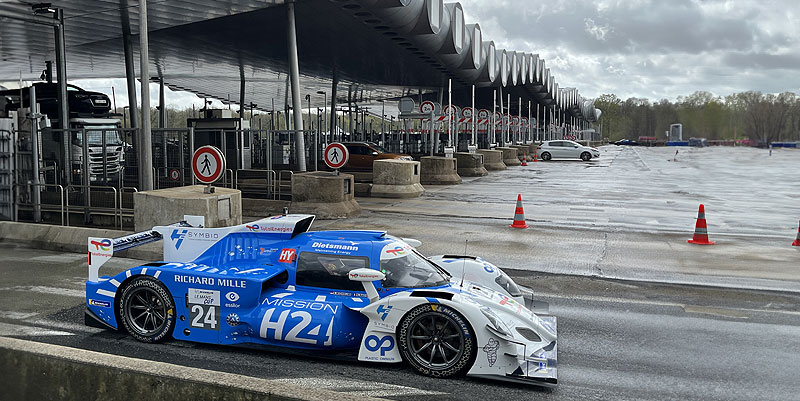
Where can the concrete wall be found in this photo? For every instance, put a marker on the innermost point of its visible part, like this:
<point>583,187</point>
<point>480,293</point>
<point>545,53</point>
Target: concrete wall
<point>438,170</point>
<point>470,164</point>
<point>325,194</point>
<point>38,371</point>
<point>492,159</point>
<point>165,206</point>
<point>523,151</point>
<point>509,156</point>
<point>396,179</point>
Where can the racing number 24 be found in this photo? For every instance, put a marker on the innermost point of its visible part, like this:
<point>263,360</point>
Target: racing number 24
<point>298,332</point>
<point>204,316</point>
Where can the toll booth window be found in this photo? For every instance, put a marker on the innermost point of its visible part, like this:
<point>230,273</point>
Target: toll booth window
<point>329,271</point>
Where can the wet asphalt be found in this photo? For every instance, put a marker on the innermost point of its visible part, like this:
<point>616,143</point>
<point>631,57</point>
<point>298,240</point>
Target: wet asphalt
<point>642,314</point>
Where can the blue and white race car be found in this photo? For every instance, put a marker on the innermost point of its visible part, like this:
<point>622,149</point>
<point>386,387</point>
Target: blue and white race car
<point>274,283</point>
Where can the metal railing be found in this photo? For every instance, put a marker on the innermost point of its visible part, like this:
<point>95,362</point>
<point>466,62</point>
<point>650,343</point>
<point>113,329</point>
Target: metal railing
<point>243,181</point>
<point>26,202</point>
<point>89,209</point>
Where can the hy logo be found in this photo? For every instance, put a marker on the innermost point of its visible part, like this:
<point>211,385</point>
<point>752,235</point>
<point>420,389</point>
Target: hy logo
<point>384,311</point>
<point>104,245</point>
<point>396,251</point>
<point>254,227</point>
<point>177,236</point>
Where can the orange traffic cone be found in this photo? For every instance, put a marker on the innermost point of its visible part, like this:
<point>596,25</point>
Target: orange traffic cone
<point>519,215</point>
<point>534,157</point>
<point>797,241</point>
<point>701,230</point>
<point>524,158</point>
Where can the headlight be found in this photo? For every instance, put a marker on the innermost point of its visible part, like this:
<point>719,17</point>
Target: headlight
<point>496,322</point>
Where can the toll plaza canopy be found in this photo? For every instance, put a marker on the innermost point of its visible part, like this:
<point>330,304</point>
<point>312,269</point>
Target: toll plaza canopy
<point>377,49</point>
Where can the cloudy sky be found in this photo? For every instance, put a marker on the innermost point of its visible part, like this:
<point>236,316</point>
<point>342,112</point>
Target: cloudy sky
<point>653,48</point>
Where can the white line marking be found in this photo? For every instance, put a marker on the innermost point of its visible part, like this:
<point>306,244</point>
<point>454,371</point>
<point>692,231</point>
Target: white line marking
<point>358,299</point>
<point>656,303</point>
<point>7,329</point>
<point>214,270</point>
<point>320,298</point>
<point>144,270</point>
<point>281,295</point>
<point>16,315</point>
<point>363,388</point>
<point>204,268</point>
<point>158,273</point>
<point>106,293</point>
<point>67,292</point>
<point>114,282</point>
<point>128,273</point>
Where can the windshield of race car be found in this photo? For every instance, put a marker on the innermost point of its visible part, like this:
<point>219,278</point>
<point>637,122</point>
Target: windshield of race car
<point>405,268</point>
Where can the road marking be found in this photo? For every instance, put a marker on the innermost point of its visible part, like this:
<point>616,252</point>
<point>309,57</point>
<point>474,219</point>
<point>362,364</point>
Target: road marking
<point>364,388</point>
<point>16,315</point>
<point>65,326</point>
<point>7,329</point>
<point>67,292</point>
<point>728,312</point>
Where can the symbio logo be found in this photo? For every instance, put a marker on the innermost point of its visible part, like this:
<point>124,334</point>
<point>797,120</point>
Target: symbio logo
<point>104,245</point>
<point>177,236</point>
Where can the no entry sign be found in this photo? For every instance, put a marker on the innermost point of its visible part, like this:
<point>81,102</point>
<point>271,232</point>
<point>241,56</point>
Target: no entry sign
<point>208,164</point>
<point>336,155</point>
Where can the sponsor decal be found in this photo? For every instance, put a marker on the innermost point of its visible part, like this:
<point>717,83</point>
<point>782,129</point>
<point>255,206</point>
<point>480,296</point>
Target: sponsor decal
<point>335,247</point>
<point>384,344</point>
<point>398,250</point>
<point>104,245</point>
<point>232,296</point>
<point>254,227</point>
<point>102,304</point>
<point>490,349</point>
<point>267,251</point>
<point>384,311</point>
<point>276,217</point>
<point>179,235</point>
<point>488,267</point>
<point>370,276</point>
<point>302,304</point>
<point>211,281</point>
<point>296,326</point>
<point>232,319</point>
<point>287,255</point>
<point>203,297</point>
<point>542,365</point>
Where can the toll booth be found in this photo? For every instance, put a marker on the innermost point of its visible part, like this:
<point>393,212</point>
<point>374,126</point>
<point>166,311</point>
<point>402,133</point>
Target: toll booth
<point>218,127</point>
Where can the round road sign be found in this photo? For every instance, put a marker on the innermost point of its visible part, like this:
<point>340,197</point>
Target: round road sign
<point>336,155</point>
<point>208,164</point>
<point>427,107</point>
<point>174,174</point>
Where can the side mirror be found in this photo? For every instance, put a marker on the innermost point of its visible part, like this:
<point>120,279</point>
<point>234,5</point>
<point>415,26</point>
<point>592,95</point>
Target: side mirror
<point>374,153</point>
<point>366,277</point>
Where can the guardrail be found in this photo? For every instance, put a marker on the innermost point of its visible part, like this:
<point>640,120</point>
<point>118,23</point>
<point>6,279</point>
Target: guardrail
<point>43,206</point>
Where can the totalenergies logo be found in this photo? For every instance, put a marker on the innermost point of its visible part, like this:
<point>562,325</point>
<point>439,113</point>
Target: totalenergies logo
<point>254,227</point>
<point>398,250</point>
<point>104,245</point>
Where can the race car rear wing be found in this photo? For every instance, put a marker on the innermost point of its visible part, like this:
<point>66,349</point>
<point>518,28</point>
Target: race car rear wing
<point>184,242</point>
<point>102,249</point>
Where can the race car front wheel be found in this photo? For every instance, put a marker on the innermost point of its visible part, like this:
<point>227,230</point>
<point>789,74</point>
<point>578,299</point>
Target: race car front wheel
<point>147,310</point>
<point>436,341</point>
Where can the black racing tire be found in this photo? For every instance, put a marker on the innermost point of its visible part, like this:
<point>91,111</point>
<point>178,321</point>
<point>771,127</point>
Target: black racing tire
<point>546,156</point>
<point>147,310</point>
<point>443,331</point>
<point>586,156</point>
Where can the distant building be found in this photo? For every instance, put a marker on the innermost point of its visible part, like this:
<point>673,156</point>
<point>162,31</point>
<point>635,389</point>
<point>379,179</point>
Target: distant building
<point>675,133</point>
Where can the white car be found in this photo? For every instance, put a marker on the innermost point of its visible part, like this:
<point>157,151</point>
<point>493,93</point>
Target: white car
<point>566,150</point>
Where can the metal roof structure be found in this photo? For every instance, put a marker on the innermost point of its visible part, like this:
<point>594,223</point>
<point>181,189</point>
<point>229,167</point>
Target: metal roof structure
<point>376,49</point>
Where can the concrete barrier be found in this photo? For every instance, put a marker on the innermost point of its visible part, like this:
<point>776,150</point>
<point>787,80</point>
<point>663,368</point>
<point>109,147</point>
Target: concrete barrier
<point>509,156</point>
<point>165,206</point>
<point>470,164</point>
<point>396,179</point>
<point>523,151</point>
<point>39,371</point>
<point>437,170</point>
<point>70,239</point>
<point>492,159</point>
<point>325,194</point>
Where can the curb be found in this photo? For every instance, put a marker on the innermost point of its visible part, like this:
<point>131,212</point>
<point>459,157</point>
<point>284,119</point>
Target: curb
<point>46,371</point>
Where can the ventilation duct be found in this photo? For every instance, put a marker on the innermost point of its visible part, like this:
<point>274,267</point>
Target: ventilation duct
<point>505,68</point>
<point>513,67</point>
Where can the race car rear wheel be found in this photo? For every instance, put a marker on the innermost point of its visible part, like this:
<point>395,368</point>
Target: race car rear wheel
<point>437,341</point>
<point>147,310</point>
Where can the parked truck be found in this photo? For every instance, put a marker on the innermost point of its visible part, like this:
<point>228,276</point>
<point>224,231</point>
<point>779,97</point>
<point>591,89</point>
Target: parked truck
<point>89,112</point>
